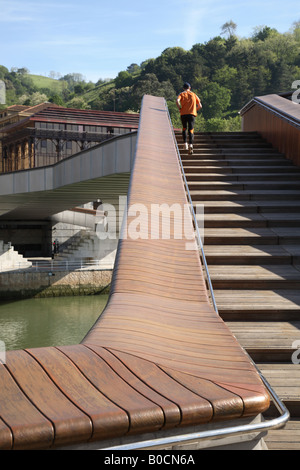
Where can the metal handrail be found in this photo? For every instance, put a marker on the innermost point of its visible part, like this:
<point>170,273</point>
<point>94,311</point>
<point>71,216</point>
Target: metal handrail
<point>229,431</point>
<point>55,265</point>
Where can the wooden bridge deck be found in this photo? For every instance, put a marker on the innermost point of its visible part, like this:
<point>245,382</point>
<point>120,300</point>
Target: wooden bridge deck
<point>158,358</point>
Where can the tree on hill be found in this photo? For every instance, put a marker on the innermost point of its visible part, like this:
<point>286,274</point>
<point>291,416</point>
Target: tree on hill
<point>229,28</point>
<point>56,99</point>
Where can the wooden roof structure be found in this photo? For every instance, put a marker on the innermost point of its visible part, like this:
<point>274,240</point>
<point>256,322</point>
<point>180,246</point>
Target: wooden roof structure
<point>57,114</point>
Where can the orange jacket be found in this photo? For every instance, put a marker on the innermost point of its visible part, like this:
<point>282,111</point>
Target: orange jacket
<point>190,102</point>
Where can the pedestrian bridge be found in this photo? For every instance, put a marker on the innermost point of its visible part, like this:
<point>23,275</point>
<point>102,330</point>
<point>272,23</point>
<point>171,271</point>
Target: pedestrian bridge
<point>100,172</point>
<point>159,368</point>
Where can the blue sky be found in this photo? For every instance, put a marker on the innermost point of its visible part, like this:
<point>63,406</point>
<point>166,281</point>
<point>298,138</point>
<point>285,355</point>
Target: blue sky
<point>100,38</point>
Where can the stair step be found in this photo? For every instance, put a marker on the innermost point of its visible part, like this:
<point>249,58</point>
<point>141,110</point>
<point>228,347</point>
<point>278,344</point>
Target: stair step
<point>232,154</point>
<point>235,220</point>
<point>238,164</point>
<point>261,305</point>
<point>244,195</point>
<point>252,236</point>
<point>243,254</point>
<point>223,143</point>
<point>200,168</point>
<point>267,341</point>
<point>219,207</point>
<point>235,158</point>
<point>287,438</point>
<point>233,148</point>
<point>243,186</point>
<point>242,143</point>
<point>237,178</point>
<point>282,219</point>
<point>221,135</point>
<point>254,276</point>
<point>252,220</point>
<point>284,379</point>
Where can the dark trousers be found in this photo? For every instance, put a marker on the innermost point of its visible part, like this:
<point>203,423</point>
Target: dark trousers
<point>188,122</point>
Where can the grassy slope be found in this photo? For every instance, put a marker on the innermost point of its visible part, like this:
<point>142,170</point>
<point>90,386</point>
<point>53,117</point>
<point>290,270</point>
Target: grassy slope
<point>46,82</point>
<point>56,86</point>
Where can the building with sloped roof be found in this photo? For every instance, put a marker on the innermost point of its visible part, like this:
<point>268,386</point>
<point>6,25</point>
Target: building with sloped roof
<point>45,134</point>
<point>14,114</point>
<point>17,112</point>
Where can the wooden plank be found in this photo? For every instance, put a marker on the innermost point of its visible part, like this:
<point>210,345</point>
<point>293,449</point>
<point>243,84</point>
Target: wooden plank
<point>70,424</point>
<point>5,436</point>
<point>247,254</point>
<point>224,402</point>
<point>234,220</point>
<point>267,336</point>
<point>144,415</point>
<point>255,276</point>
<point>261,194</point>
<point>171,411</point>
<point>287,438</point>
<point>263,300</point>
<point>29,427</point>
<point>238,236</point>
<point>107,419</point>
<point>189,403</point>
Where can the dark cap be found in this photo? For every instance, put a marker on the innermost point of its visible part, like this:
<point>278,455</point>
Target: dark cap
<point>186,85</point>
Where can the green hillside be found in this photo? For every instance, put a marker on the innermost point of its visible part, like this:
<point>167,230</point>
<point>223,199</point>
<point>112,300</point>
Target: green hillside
<point>40,82</point>
<point>225,72</point>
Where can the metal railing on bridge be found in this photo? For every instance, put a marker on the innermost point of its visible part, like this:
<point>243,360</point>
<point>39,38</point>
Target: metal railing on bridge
<point>54,265</point>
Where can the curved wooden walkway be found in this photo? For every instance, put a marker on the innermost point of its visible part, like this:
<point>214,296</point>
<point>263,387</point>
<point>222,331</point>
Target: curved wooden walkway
<point>159,357</point>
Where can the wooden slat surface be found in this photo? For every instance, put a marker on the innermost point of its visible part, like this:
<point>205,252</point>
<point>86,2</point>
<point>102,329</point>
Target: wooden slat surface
<point>159,356</point>
<point>287,438</point>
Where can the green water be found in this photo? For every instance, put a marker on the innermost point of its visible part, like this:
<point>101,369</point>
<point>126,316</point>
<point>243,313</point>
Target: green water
<point>58,321</point>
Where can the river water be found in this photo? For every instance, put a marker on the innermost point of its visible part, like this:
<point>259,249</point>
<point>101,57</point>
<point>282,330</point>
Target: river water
<point>58,321</point>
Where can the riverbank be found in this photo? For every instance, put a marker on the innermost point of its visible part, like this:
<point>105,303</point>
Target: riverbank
<point>29,284</point>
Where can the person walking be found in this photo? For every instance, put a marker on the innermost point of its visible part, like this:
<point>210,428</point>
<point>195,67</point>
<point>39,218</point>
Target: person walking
<point>188,104</point>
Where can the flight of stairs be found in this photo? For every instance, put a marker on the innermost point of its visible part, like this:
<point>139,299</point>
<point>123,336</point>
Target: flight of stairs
<point>10,259</point>
<point>251,197</point>
<point>86,247</point>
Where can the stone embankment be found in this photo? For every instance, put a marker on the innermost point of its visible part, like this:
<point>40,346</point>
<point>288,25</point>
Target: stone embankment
<point>25,284</point>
